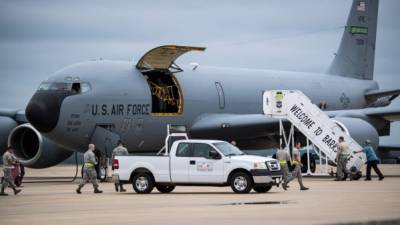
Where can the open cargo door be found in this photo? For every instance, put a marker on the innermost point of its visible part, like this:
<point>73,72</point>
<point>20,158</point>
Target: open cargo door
<point>158,67</point>
<point>163,58</point>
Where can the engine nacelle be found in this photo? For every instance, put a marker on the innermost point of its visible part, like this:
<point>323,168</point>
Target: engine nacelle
<point>359,130</point>
<point>6,125</point>
<point>34,150</point>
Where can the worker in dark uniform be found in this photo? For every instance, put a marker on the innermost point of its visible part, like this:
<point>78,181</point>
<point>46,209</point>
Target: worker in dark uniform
<point>98,154</point>
<point>9,161</point>
<point>372,160</point>
<point>120,150</point>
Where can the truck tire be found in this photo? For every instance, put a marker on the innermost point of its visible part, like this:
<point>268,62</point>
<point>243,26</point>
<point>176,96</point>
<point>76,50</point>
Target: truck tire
<point>262,189</point>
<point>165,188</point>
<point>241,182</point>
<point>143,183</point>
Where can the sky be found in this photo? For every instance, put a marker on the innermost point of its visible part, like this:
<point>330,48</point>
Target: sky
<point>40,37</point>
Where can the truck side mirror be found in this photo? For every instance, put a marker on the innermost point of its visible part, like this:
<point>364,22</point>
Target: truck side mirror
<point>214,155</point>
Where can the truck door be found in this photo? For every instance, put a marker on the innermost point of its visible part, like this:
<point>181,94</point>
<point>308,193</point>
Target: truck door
<point>204,169</point>
<point>179,165</point>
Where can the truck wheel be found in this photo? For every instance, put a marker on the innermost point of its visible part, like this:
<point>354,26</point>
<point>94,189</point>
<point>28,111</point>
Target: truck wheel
<point>262,189</point>
<point>143,183</point>
<point>241,182</point>
<point>165,188</point>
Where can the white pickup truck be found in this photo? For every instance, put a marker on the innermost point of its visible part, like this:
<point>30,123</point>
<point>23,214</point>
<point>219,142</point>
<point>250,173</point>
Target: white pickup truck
<point>198,162</point>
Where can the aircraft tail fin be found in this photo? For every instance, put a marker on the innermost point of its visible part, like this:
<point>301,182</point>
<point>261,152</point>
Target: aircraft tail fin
<point>356,54</point>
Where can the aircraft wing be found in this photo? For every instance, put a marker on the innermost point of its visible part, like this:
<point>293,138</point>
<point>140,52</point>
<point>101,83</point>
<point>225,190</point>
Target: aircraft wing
<point>376,94</point>
<point>389,113</point>
<point>17,115</point>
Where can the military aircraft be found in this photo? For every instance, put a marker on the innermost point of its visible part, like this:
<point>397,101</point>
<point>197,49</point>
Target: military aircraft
<point>104,101</point>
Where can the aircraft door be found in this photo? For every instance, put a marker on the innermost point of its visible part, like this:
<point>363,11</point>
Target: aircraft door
<point>206,165</point>
<point>105,140</point>
<point>180,163</point>
<point>221,95</point>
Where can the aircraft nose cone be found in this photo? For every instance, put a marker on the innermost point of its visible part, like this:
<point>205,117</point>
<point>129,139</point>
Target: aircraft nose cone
<point>43,110</point>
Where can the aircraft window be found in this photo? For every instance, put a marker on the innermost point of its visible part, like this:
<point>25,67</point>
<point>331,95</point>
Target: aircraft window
<point>44,86</point>
<point>76,88</point>
<point>56,86</point>
<point>221,96</point>
<point>85,87</point>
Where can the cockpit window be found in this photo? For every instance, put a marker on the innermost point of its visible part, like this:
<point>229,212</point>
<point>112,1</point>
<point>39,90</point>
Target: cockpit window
<point>44,86</point>
<point>77,88</point>
<point>58,86</point>
<point>55,86</point>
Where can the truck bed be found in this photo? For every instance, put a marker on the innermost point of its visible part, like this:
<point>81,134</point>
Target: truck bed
<point>158,166</point>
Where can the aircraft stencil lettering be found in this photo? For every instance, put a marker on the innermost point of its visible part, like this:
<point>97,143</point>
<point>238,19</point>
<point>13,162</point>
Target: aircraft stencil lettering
<point>120,109</point>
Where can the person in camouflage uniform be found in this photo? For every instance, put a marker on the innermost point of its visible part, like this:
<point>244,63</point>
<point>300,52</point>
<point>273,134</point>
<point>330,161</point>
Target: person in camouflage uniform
<point>341,159</point>
<point>283,156</point>
<point>9,161</point>
<point>120,150</point>
<point>296,173</point>
<point>89,172</point>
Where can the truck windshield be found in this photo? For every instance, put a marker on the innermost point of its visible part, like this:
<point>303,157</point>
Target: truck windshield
<point>228,149</point>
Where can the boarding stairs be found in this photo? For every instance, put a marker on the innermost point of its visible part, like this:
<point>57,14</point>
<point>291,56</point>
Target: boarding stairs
<point>312,122</point>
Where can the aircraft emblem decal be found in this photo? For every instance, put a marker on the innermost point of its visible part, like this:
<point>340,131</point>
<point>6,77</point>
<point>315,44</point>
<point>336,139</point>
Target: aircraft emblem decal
<point>344,100</point>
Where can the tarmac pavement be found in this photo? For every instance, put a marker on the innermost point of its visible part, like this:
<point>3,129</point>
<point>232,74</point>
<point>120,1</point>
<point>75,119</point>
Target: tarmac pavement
<point>327,202</point>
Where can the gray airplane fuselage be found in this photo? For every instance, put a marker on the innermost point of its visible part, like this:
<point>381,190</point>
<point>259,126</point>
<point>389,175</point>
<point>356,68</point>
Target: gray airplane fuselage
<point>120,98</point>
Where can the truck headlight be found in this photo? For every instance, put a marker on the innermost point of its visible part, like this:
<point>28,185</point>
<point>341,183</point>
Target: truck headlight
<point>260,165</point>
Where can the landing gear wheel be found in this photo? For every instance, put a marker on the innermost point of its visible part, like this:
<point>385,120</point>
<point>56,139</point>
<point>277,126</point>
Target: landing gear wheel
<point>143,183</point>
<point>165,188</point>
<point>241,182</point>
<point>262,189</point>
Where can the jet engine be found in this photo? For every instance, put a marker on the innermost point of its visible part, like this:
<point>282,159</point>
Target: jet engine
<point>34,150</point>
<point>359,130</point>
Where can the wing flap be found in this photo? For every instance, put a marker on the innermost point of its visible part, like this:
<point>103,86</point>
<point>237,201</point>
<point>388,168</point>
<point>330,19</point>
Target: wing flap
<point>391,113</point>
<point>376,94</point>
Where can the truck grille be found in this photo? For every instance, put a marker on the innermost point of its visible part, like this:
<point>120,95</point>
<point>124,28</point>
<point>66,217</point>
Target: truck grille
<point>273,165</point>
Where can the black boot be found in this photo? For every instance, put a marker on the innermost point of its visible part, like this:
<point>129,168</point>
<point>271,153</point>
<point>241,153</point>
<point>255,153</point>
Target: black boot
<point>2,192</point>
<point>16,191</point>
<point>284,186</point>
<point>121,188</point>
<point>78,190</point>
<point>304,188</point>
<point>97,191</point>
<point>116,187</point>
